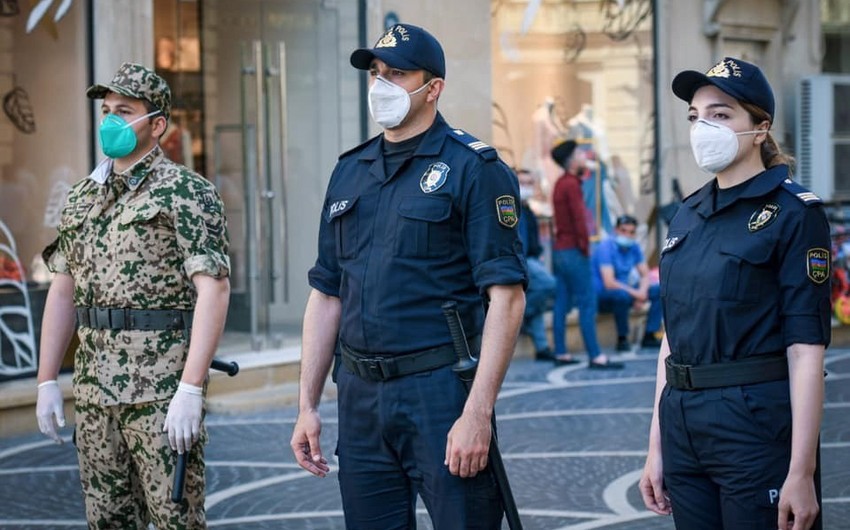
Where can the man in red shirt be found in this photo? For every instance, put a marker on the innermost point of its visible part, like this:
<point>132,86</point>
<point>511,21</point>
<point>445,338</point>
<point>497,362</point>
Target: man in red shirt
<point>570,259</point>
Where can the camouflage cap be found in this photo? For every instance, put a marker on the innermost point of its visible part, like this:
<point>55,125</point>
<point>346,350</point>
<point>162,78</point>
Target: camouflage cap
<point>136,81</point>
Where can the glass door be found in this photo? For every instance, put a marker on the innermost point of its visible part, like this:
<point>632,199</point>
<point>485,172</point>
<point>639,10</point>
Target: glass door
<point>272,109</point>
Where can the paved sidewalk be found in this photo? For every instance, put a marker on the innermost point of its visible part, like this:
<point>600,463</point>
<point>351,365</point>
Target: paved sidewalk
<point>573,440</point>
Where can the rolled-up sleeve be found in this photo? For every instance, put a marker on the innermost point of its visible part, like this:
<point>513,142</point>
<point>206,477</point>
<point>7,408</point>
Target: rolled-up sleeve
<point>201,230</point>
<point>804,278</point>
<point>493,243</point>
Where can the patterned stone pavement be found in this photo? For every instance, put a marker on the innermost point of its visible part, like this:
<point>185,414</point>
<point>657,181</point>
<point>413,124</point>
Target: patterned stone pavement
<point>573,441</point>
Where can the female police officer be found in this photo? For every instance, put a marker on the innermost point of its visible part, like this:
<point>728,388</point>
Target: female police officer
<point>745,290</point>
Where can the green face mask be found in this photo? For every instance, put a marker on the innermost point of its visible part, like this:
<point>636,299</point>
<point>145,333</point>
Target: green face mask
<point>117,137</point>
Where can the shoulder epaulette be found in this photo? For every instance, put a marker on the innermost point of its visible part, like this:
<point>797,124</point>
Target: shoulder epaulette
<point>806,197</point>
<point>358,147</point>
<point>472,143</point>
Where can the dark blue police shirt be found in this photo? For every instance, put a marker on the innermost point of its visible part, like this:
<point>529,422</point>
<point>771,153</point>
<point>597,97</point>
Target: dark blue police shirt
<point>394,248</point>
<point>748,275</point>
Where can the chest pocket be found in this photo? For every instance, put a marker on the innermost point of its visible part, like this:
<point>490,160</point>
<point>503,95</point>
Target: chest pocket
<point>142,232</point>
<point>73,229</point>
<point>670,252</point>
<point>423,229</point>
<point>747,274</point>
<point>342,214</point>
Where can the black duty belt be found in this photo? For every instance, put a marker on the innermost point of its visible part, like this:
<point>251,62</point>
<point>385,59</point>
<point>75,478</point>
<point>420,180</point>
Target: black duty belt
<point>382,367</point>
<point>134,319</point>
<point>760,369</point>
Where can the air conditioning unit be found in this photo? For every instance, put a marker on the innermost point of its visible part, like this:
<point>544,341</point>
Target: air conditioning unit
<point>823,135</point>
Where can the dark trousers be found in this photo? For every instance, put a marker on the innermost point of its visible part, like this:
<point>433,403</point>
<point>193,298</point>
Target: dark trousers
<point>726,453</point>
<point>392,445</point>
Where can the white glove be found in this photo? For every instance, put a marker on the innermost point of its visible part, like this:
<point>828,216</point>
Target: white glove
<point>50,405</point>
<point>183,421</point>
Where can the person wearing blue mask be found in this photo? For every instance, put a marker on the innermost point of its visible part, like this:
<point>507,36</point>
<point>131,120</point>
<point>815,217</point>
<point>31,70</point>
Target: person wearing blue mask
<point>142,267</point>
<point>622,281</point>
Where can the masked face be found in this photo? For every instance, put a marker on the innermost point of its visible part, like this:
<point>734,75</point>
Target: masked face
<point>389,103</point>
<point>117,137</point>
<point>623,241</point>
<point>525,192</point>
<point>714,145</point>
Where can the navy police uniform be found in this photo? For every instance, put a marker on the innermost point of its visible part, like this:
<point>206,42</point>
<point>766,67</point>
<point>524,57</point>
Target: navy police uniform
<point>744,275</point>
<point>393,248</point>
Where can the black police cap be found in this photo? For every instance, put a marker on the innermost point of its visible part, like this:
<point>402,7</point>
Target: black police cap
<point>562,152</point>
<point>740,79</point>
<point>406,47</point>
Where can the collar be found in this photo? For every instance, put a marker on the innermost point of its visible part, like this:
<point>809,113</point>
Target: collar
<point>762,184</point>
<point>430,145</point>
<point>134,175</point>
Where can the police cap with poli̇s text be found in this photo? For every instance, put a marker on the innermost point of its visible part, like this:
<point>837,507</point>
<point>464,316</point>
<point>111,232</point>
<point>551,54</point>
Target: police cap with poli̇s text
<point>406,47</point>
<point>136,81</point>
<point>741,80</point>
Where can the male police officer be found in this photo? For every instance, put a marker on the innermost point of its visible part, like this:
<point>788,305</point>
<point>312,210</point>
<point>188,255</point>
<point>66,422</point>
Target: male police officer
<point>415,217</point>
<point>141,243</point>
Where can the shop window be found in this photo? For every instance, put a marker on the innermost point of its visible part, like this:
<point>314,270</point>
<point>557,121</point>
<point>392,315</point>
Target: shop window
<point>177,55</point>
<point>578,70</point>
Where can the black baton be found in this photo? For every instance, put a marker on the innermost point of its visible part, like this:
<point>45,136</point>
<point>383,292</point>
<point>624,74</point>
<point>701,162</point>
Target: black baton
<point>230,369</point>
<point>465,368</point>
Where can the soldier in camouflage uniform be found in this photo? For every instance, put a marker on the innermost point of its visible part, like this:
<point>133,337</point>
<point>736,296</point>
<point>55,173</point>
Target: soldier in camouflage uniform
<point>142,243</point>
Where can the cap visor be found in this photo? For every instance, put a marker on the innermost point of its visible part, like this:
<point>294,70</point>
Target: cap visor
<point>687,82</point>
<point>362,59</point>
<point>100,91</point>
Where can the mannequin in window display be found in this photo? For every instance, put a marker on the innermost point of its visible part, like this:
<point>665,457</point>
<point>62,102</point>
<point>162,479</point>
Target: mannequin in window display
<point>548,130</point>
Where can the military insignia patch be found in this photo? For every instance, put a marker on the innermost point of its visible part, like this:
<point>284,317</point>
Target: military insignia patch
<point>434,177</point>
<point>817,265</point>
<point>207,201</point>
<point>506,210</point>
<point>763,217</point>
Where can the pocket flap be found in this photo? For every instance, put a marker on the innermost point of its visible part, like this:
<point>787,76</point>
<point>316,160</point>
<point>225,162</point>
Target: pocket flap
<point>140,214</point>
<point>751,250</point>
<point>340,206</point>
<point>431,209</point>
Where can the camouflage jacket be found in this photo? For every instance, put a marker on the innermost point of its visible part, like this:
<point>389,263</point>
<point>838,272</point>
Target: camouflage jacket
<point>134,241</point>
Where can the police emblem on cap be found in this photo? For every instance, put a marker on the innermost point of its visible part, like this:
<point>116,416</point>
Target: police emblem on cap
<point>725,68</point>
<point>387,41</point>
<point>817,264</point>
<point>506,209</point>
<point>434,177</point>
<point>763,217</point>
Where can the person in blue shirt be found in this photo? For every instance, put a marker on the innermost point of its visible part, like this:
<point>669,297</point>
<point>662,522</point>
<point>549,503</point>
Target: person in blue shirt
<point>419,215</point>
<point>745,270</point>
<point>541,282</point>
<point>622,281</point>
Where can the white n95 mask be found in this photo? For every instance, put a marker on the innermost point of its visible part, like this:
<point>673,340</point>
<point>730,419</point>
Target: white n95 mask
<point>389,103</point>
<point>714,145</point>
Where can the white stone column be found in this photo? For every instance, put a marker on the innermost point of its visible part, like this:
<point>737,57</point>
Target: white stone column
<point>123,31</point>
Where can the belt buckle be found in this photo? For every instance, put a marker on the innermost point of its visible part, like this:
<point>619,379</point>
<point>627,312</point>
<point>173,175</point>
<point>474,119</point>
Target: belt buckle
<point>374,368</point>
<point>683,374</point>
<point>101,318</point>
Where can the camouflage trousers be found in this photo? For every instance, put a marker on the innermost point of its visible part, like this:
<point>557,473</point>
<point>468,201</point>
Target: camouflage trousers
<point>127,469</point>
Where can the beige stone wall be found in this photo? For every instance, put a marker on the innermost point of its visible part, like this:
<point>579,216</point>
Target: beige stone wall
<point>465,38</point>
<point>782,37</point>
<point>52,71</point>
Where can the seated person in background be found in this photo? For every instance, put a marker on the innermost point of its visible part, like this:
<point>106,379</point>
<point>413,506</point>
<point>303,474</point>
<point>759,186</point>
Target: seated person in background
<point>541,283</point>
<point>621,278</point>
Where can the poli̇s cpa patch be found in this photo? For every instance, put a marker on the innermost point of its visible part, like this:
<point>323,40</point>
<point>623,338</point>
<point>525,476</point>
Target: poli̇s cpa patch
<point>817,264</point>
<point>506,210</point>
<point>434,177</point>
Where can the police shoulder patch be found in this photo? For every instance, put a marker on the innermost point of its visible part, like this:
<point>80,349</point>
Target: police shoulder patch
<point>817,265</point>
<point>506,211</point>
<point>804,195</point>
<point>472,143</point>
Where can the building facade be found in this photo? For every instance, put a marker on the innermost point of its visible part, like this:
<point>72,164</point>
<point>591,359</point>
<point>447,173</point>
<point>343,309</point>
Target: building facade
<point>265,100</point>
